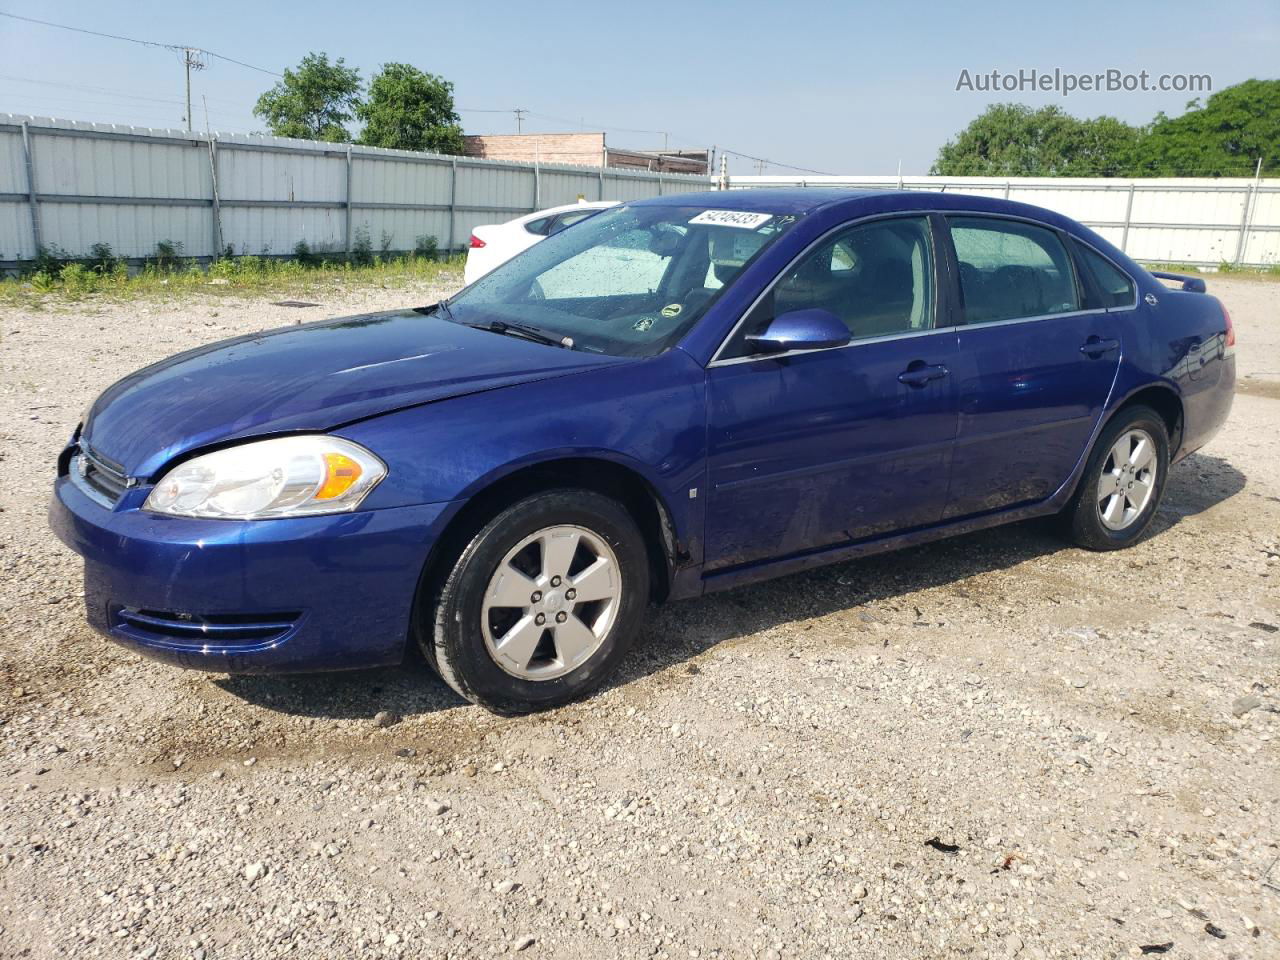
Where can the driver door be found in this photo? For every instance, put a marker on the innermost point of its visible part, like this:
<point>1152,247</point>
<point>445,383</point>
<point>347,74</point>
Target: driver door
<point>818,449</point>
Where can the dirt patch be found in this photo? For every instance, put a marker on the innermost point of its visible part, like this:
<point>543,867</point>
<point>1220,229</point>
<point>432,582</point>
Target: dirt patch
<point>1253,387</point>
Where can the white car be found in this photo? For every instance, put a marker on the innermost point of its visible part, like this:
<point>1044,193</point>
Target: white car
<point>495,243</point>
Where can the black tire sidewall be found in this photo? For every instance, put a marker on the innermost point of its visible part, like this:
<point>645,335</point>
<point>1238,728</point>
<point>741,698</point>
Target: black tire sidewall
<point>458,643</point>
<point>1087,527</point>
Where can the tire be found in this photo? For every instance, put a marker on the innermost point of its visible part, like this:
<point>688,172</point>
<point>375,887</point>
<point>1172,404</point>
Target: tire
<point>499,655</point>
<point>1115,502</point>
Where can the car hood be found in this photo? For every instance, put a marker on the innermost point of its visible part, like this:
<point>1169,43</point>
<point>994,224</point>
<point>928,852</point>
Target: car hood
<point>308,378</point>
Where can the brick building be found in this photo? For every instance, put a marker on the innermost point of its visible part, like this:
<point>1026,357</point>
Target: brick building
<point>584,149</point>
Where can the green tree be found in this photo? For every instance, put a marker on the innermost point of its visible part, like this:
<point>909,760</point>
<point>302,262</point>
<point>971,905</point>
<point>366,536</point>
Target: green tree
<point>409,109</point>
<point>1013,140</point>
<point>313,102</point>
<point>1224,137</point>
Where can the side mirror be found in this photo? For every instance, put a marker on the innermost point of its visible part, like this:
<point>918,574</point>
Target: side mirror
<point>812,329</point>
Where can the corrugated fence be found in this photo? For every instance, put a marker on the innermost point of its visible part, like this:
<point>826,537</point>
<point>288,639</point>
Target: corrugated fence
<point>70,184</point>
<point>1201,222</point>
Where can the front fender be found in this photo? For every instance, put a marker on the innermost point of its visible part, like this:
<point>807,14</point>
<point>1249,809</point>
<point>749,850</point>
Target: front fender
<point>648,417</point>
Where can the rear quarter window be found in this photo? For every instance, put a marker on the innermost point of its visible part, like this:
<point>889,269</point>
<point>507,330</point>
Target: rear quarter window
<point>540,226</point>
<point>1111,286</point>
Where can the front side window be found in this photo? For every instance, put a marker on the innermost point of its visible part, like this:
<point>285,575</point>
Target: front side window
<point>876,277</point>
<point>1010,270</point>
<point>627,281</point>
<point>1111,285</point>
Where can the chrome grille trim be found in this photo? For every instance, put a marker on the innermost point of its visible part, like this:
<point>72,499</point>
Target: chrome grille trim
<point>97,477</point>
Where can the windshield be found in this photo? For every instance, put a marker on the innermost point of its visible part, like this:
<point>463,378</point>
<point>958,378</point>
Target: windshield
<point>629,281</point>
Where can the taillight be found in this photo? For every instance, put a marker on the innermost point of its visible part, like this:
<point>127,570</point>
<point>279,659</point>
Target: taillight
<point>1231,330</point>
<point>476,242</point>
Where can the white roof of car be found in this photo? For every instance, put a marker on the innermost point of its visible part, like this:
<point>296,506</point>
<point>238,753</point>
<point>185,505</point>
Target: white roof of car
<point>580,205</point>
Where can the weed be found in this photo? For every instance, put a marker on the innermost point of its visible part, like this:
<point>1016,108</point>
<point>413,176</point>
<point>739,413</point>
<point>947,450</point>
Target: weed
<point>101,259</point>
<point>303,255</point>
<point>362,248</point>
<point>425,247</point>
<point>78,280</point>
<point>51,258</point>
<point>241,275</point>
<point>168,254</point>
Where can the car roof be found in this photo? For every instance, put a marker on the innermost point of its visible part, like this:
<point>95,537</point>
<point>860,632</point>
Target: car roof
<point>853,203</point>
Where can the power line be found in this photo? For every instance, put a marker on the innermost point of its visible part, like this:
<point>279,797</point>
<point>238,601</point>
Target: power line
<point>663,133</point>
<point>774,163</point>
<point>177,47</point>
<point>109,91</point>
<point>190,54</point>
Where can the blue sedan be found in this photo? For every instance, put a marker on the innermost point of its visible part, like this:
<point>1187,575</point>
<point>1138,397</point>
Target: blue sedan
<point>676,396</point>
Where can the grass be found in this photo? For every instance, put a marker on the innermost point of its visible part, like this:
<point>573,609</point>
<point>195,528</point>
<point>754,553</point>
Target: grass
<point>231,275</point>
<point>1270,272</point>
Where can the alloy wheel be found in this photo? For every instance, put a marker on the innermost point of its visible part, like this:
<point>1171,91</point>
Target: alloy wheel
<point>551,602</point>
<point>1128,480</point>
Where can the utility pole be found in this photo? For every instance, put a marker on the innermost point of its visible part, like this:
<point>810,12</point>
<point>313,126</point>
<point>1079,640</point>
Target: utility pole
<point>193,59</point>
<point>519,112</point>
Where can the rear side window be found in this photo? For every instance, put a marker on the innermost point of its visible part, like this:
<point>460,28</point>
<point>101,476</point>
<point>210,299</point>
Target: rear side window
<point>540,226</point>
<point>1111,286</point>
<point>569,219</point>
<point>877,277</point>
<point>1010,269</point>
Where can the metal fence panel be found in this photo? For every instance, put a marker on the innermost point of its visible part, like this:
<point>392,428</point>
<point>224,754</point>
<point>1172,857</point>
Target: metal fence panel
<point>13,175</point>
<point>1198,222</point>
<point>272,231</point>
<point>558,187</point>
<point>133,188</point>
<point>119,167</point>
<point>400,229</point>
<point>15,233</point>
<point>398,181</point>
<point>131,231</point>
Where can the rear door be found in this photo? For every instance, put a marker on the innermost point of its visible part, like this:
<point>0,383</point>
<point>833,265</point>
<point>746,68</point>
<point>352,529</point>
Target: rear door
<point>1037,361</point>
<point>820,448</point>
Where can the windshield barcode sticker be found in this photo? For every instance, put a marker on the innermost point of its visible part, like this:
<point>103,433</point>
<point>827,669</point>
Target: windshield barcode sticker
<point>732,218</point>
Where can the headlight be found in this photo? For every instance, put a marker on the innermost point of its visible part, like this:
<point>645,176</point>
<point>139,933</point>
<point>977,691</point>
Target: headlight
<point>284,477</point>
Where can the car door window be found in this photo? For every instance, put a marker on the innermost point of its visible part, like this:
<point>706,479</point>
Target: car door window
<point>1010,269</point>
<point>876,277</point>
<point>1111,285</point>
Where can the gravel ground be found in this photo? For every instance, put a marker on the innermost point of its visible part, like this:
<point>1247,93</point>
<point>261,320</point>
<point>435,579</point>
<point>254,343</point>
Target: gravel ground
<point>993,746</point>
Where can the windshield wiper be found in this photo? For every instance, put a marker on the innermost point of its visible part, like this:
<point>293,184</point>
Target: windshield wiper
<point>523,332</point>
<point>440,307</point>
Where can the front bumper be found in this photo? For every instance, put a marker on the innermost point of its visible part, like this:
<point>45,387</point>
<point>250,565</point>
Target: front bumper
<point>286,595</point>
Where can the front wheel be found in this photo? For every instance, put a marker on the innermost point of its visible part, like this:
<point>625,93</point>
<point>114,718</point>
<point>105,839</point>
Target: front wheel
<point>1123,482</point>
<point>542,604</point>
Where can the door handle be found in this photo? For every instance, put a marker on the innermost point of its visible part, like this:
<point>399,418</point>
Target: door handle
<point>918,373</point>
<point>1095,347</point>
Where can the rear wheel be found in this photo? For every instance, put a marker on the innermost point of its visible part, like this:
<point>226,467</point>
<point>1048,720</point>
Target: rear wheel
<point>1123,482</point>
<point>542,604</point>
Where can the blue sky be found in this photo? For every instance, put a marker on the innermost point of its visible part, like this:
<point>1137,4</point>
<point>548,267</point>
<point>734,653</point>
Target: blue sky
<point>849,87</point>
